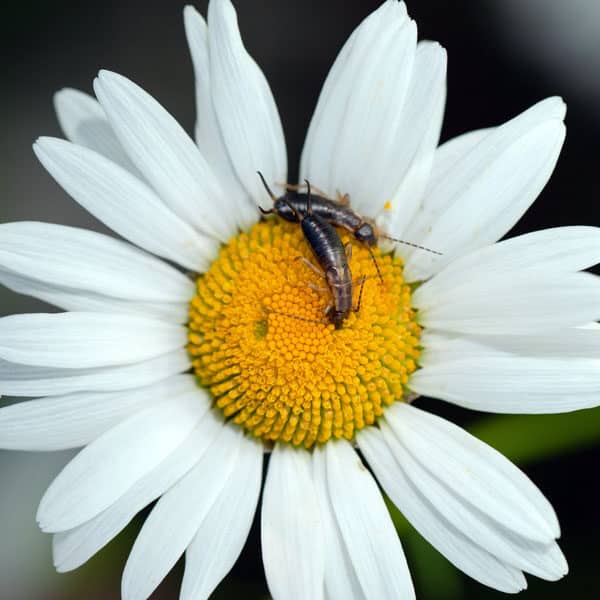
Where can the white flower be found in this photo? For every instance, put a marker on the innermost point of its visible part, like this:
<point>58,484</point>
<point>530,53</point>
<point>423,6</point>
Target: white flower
<point>503,328</point>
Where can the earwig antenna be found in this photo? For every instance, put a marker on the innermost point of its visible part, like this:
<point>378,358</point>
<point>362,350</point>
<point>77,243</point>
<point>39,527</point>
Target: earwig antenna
<point>387,237</point>
<point>271,194</point>
<point>297,318</point>
<point>308,198</point>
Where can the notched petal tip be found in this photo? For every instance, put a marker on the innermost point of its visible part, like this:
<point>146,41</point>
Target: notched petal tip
<point>389,5</point>
<point>192,19</point>
<point>223,9</point>
<point>41,515</point>
<point>46,141</point>
<point>110,77</point>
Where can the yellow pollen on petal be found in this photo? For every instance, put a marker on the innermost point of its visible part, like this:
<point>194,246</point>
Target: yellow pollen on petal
<point>261,343</point>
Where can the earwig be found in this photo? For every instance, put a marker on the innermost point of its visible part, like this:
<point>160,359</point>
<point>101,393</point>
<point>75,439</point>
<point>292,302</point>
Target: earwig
<point>329,251</point>
<point>337,214</point>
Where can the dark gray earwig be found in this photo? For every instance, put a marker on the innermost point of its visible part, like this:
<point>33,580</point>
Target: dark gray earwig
<point>295,203</point>
<point>327,248</point>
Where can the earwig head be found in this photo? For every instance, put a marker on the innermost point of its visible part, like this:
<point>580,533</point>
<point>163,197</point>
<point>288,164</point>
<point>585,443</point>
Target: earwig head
<point>281,206</point>
<point>365,233</point>
<point>298,216</point>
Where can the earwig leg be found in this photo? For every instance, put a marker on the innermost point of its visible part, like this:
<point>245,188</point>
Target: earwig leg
<point>295,188</point>
<point>343,199</point>
<point>291,187</point>
<point>297,318</point>
<point>376,264</point>
<point>348,248</point>
<point>362,285</point>
<point>266,212</point>
<point>319,191</point>
<point>315,269</point>
<point>312,286</point>
<point>328,307</point>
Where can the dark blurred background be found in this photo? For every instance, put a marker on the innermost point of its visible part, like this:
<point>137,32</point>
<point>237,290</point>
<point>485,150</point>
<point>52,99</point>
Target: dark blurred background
<point>504,55</point>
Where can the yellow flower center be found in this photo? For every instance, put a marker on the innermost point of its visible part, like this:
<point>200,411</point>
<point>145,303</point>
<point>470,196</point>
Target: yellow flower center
<point>262,345</point>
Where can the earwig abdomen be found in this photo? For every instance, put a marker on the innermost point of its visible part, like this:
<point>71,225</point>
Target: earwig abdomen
<point>331,256</point>
<point>288,207</point>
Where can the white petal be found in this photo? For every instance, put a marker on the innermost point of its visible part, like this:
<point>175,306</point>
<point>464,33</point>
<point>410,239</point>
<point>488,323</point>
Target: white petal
<point>175,519</point>
<point>476,517</point>
<point>553,252</point>
<point>492,186</point>
<point>80,300</point>
<point>124,203</point>
<point>575,342</point>
<point>473,520</point>
<point>359,114</point>
<point>89,261</point>
<point>497,382</point>
<point>75,420</point>
<point>291,527</point>
<point>366,527</point>
<point>224,530</point>
<point>109,466</point>
<point>417,138</point>
<point>328,118</point>
<point>449,154</point>
<point>445,158</point>
<point>245,108</point>
<point>165,154</point>
<point>370,135</point>
<point>81,340</point>
<point>84,122</point>
<point>458,549</point>
<point>475,471</point>
<point>318,146</point>
<point>74,547</point>
<point>545,561</point>
<point>340,577</point>
<point>25,380</point>
<point>523,304</point>
<point>208,135</point>
<point>593,325</point>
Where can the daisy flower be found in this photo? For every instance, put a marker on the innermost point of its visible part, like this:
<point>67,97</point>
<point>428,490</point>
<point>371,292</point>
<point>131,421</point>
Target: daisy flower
<point>197,345</point>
